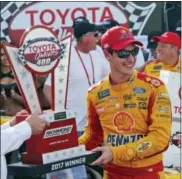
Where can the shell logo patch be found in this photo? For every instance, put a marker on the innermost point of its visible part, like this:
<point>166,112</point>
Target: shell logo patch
<point>123,121</point>
<point>143,146</point>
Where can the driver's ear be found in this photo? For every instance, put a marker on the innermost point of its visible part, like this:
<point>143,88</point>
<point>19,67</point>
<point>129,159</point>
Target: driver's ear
<point>107,54</point>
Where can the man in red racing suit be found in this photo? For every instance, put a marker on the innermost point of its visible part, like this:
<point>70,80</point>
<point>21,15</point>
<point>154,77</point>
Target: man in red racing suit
<point>130,112</point>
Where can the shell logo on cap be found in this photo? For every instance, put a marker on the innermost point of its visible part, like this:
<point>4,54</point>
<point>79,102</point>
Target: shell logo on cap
<point>123,31</point>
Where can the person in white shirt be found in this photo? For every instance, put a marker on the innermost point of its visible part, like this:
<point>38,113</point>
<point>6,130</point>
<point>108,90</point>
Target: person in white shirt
<point>13,135</point>
<point>87,66</point>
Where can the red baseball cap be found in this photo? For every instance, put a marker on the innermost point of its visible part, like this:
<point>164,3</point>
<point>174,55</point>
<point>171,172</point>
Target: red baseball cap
<point>118,38</point>
<point>170,38</point>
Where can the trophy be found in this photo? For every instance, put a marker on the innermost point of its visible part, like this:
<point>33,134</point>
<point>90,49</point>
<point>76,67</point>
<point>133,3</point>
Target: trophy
<point>40,53</point>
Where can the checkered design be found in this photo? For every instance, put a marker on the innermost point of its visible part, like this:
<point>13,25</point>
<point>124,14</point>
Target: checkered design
<point>63,50</point>
<point>7,14</point>
<point>20,51</point>
<point>137,16</point>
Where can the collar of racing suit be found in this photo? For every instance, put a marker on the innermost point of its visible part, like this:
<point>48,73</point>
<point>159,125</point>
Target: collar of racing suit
<point>123,85</point>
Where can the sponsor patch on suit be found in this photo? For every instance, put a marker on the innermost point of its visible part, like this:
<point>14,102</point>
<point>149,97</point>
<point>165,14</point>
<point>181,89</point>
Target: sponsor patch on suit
<point>103,94</point>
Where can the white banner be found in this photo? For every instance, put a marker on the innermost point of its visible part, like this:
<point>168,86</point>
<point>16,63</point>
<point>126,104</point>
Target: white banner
<point>173,83</point>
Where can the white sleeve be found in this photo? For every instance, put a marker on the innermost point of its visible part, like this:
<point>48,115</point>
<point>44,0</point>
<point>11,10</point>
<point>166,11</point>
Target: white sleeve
<point>13,137</point>
<point>5,126</point>
<point>48,80</point>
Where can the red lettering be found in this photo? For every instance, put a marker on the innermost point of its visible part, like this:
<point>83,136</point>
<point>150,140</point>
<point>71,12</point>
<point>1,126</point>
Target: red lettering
<point>177,109</point>
<point>53,47</point>
<point>42,48</point>
<point>34,48</point>
<point>93,11</point>
<point>48,16</point>
<point>63,16</point>
<point>30,49</point>
<point>31,16</point>
<point>52,15</point>
<point>106,14</point>
<point>76,10</point>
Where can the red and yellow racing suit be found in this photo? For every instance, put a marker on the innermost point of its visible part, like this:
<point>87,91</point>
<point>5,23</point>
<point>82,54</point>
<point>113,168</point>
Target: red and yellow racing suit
<point>134,120</point>
<point>155,66</point>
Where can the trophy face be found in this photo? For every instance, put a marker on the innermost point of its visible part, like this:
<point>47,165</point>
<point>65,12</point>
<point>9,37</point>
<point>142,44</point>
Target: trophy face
<point>40,51</point>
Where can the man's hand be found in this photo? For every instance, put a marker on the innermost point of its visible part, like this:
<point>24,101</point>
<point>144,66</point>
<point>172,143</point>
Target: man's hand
<point>36,123</point>
<point>12,122</point>
<point>3,94</point>
<point>13,93</point>
<point>105,158</point>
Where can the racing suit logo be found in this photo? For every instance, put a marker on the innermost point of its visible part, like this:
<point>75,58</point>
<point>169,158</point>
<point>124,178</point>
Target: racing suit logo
<point>123,122</point>
<point>144,146</point>
<point>155,82</point>
<point>118,139</point>
<point>158,67</point>
<point>139,90</point>
<point>103,94</point>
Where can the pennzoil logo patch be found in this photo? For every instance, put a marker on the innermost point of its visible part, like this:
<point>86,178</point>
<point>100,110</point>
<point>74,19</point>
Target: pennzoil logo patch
<point>103,94</point>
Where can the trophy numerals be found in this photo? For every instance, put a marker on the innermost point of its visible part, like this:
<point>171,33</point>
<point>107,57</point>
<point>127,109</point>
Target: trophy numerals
<point>43,62</point>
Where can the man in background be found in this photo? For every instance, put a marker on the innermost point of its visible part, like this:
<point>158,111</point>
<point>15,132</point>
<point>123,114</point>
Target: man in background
<point>151,54</point>
<point>168,49</point>
<point>87,66</point>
